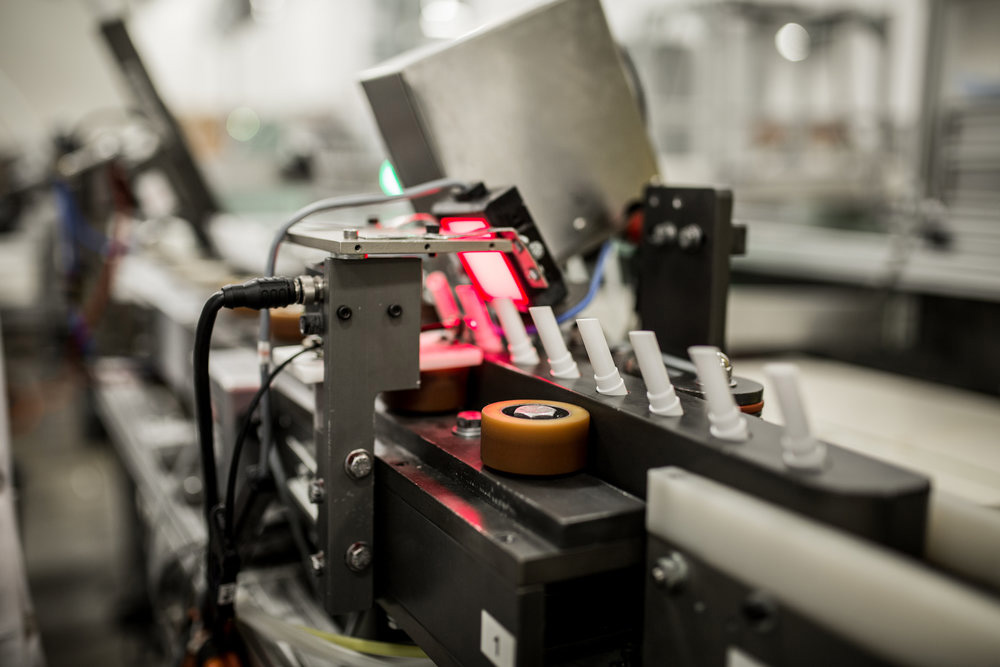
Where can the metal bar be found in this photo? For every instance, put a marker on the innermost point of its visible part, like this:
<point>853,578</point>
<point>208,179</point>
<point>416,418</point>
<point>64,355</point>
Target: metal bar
<point>371,345</point>
<point>365,244</point>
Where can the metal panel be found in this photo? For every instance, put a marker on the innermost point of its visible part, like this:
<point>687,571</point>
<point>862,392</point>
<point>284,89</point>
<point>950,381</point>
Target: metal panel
<point>372,242</point>
<point>539,101</point>
<point>360,310</point>
<point>687,238</point>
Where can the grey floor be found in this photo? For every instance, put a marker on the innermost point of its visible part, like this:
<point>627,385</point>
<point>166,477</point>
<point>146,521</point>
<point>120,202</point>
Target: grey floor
<point>72,504</point>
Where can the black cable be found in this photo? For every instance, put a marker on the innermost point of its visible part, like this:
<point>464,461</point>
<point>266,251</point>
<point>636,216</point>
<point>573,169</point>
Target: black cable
<point>203,400</point>
<point>241,440</point>
<point>258,293</point>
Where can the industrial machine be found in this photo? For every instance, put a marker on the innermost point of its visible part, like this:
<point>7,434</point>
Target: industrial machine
<point>419,488</point>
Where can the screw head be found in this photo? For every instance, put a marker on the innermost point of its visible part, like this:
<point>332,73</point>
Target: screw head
<point>663,234</point>
<point>670,572</point>
<point>468,424</point>
<point>317,563</point>
<point>760,612</point>
<point>537,249</point>
<point>690,238</point>
<point>351,234</point>
<point>317,491</point>
<point>344,312</point>
<point>359,464</point>
<point>394,310</point>
<point>358,557</point>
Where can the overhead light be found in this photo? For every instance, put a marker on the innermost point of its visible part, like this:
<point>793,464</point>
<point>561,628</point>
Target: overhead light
<point>792,42</point>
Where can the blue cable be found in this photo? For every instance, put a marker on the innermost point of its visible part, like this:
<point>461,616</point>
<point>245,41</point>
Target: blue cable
<point>595,284</point>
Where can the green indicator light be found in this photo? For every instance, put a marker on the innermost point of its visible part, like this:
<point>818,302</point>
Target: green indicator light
<point>388,180</point>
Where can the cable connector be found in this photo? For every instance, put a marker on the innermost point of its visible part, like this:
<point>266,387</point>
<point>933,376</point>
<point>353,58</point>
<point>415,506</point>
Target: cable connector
<point>274,292</point>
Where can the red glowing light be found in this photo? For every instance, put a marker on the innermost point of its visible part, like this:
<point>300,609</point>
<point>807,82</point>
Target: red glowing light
<point>491,272</point>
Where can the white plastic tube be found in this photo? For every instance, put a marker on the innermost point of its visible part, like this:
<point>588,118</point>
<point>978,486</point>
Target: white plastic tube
<point>902,611</point>
<point>659,390</point>
<point>560,360</point>
<point>801,450</point>
<point>440,289</point>
<point>606,375</point>
<point>725,419</point>
<point>964,538</point>
<point>478,319</point>
<point>522,352</point>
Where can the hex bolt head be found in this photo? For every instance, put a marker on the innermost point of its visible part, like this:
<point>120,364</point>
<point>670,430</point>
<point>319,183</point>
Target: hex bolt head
<point>358,557</point>
<point>394,310</point>
<point>317,563</point>
<point>670,572</point>
<point>690,238</point>
<point>359,464</point>
<point>317,491</point>
<point>468,424</point>
<point>344,312</point>
<point>664,233</point>
<point>351,234</point>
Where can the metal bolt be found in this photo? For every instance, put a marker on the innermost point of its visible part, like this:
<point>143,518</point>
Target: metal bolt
<point>535,411</point>
<point>663,233</point>
<point>358,556</point>
<point>579,224</point>
<point>537,249</point>
<point>344,312</point>
<point>359,464</point>
<point>317,491</point>
<point>468,424</point>
<point>311,324</point>
<point>690,238</point>
<point>350,234</point>
<point>670,572</point>
<point>317,562</point>
<point>760,612</point>
<point>394,310</point>
<point>727,366</point>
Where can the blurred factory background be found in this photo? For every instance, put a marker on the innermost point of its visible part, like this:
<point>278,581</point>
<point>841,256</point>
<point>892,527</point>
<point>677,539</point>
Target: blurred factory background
<point>861,140</point>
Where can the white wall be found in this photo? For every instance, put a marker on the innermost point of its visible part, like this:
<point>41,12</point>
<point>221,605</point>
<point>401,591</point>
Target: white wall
<point>53,68</point>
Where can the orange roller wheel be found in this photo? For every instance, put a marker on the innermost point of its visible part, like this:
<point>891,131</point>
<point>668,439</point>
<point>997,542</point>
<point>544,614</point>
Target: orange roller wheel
<point>535,437</point>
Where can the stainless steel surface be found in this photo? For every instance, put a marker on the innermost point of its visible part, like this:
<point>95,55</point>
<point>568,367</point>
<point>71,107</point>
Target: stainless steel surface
<point>535,411</point>
<point>539,101</point>
<point>357,366</point>
<point>371,243</point>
